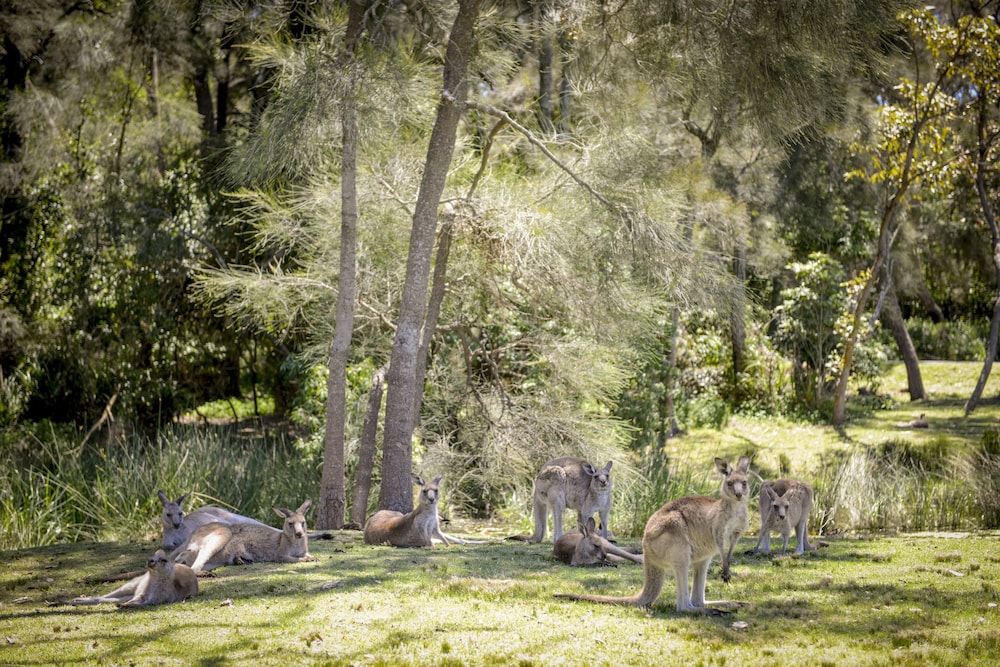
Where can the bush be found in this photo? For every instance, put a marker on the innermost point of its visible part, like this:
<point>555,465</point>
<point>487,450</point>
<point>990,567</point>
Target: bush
<point>954,341</point>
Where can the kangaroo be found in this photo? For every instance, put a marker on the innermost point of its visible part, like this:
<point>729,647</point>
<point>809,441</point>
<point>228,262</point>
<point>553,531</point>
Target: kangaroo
<point>164,581</point>
<point>570,483</point>
<point>177,526</point>
<point>216,544</point>
<point>784,503</point>
<point>688,532</point>
<point>583,546</point>
<point>409,530</point>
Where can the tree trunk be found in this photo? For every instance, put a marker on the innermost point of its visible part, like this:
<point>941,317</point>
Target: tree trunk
<point>544,67</point>
<point>333,497</point>
<point>366,450</point>
<point>434,305</point>
<point>892,317</point>
<point>736,317</point>
<point>396,491</point>
<point>565,81</point>
<point>989,214</point>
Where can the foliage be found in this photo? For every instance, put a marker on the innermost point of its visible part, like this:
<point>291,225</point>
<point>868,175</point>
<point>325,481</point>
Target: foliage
<point>959,340</point>
<point>806,325</point>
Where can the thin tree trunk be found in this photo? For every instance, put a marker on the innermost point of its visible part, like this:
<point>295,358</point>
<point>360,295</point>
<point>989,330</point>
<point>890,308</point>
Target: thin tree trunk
<point>988,213</point>
<point>892,317</point>
<point>396,490</point>
<point>333,498</point>
<point>438,289</point>
<point>737,327</point>
<point>565,82</point>
<point>544,67</point>
<point>668,412</point>
<point>366,450</point>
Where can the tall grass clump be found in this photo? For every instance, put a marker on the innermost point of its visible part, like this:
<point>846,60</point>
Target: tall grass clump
<point>662,480</point>
<point>895,486</point>
<point>52,489</point>
<point>984,469</point>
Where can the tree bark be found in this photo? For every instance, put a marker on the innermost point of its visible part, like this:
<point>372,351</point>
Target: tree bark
<point>366,450</point>
<point>892,317</point>
<point>736,317</point>
<point>545,56</point>
<point>991,220</point>
<point>565,82</point>
<point>333,498</point>
<point>396,491</point>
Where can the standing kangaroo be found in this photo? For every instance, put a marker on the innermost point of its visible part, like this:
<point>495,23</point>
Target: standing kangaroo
<point>177,526</point>
<point>216,544</point>
<point>688,532</point>
<point>164,581</point>
<point>409,530</point>
<point>570,483</point>
<point>583,546</point>
<point>784,503</point>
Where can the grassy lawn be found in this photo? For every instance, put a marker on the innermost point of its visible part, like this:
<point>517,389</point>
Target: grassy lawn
<point>924,599</point>
<point>904,600</point>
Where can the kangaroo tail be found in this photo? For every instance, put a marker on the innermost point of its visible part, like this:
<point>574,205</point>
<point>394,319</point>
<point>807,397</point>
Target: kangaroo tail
<point>651,588</point>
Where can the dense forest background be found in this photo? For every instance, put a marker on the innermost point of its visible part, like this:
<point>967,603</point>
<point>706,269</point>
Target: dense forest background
<point>571,226</point>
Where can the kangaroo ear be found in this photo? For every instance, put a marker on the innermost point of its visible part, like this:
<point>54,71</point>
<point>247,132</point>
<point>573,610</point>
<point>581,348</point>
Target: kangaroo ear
<point>607,468</point>
<point>163,497</point>
<point>437,480</point>
<point>722,466</point>
<point>182,556</point>
<point>589,469</point>
<point>591,526</point>
<point>416,479</point>
<point>305,506</point>
<point>744,464</point>
<point>281,511</point>
<point>181,500</point>
<point>770,492</point>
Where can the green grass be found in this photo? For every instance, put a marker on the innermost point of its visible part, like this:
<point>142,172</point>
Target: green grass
<point>908,600</point>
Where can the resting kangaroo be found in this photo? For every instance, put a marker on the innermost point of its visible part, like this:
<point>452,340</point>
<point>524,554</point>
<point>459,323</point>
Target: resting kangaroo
<point>163,582</point>
<point>409,530</point>
<point>570,483</point>
<point>177,526</point>
<point>785,503</point>
<point>583,546</point>
<point>216,544</point>
<point>688,532</point>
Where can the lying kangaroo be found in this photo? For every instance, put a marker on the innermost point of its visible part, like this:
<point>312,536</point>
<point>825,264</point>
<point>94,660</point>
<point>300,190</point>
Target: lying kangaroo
<point>177,526</point>
<point>688,532</point>
<point>583,546</point>
<point>784,503</point>
<point>409,530</point>
<point>216,544</point>
<point>570,483</point>
<point>164,581</point>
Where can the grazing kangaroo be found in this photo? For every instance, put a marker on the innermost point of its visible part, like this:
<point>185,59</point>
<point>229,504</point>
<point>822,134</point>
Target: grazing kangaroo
<point>688,532</point>
<point>570,483</point>
<point>409,530</point>
<point>177,526</point>
<point>216,544</point>
<point>164,581</point>
<point>784,503</point>
<point>583,546</point>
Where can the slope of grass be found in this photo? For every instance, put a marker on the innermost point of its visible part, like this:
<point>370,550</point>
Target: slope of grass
<point>911,600</point>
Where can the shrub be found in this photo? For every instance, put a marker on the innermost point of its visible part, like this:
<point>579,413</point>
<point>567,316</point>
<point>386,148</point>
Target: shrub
<point>956,341</point>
